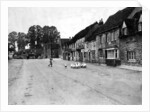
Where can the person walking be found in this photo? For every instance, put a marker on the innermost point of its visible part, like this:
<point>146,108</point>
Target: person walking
<point>50,62</point>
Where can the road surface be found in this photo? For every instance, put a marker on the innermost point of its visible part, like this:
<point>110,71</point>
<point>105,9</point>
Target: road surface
<point>32,82</point>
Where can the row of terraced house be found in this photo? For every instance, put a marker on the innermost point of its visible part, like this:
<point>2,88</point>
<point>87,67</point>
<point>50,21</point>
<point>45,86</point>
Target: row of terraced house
<point>115,42</point>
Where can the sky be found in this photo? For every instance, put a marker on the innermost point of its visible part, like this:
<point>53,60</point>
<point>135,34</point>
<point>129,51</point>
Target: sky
<point>68,20</point>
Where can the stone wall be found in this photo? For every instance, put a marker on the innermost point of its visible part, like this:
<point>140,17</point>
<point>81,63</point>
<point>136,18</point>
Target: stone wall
<point>131,43</point>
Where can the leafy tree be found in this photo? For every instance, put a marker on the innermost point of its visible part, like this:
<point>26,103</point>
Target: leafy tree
<point>51,38</point>
<point>35,34</point>
<point>12,37</point>
<point>22,40</point>
<point>51,35</point>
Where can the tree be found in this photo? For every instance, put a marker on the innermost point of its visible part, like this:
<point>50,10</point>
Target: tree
<point>35,36</point>
<point>22,40</point>
<point>51,38</point>
<point>50,34</point>
<point>12,37</point>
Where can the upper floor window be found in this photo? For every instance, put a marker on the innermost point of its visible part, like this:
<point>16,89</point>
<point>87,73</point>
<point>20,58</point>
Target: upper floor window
<point>112,36</point>
<point>140,24</point>
<point>116,34</point>
<point>124,29</point>
<point>109,37</point>
<point>103,38</point>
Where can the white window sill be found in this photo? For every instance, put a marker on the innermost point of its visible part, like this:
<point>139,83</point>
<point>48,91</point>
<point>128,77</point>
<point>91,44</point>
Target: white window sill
<point>131,60</point>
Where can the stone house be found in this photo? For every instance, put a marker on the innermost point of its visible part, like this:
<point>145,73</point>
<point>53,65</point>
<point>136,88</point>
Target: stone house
<point>65,49</point>
<point>72,48</point>
<point>108,37</point>
<point>79,49</point>
<point>131,40</point>
<point>79,40</point>
<point>91,43</point>
<point>117,41</point>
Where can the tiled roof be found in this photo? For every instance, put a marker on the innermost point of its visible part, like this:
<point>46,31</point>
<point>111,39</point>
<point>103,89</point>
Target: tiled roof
<point>83,32</point>
<point>89,35</point>
<point>131,24</point>
<point>113,21</point>
<point>117,19</point>
<point>137,15</point>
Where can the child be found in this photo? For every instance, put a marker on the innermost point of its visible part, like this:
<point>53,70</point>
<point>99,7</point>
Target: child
<point>50,64</point>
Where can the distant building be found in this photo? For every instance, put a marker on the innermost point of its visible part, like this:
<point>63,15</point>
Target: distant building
<point>65,52</point>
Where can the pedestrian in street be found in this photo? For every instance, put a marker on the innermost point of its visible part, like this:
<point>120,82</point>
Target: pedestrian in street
<point>50,62</point>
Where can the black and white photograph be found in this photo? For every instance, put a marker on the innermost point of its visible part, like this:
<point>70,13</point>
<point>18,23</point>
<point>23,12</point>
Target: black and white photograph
<point>75,55</point>
<point>101,64</point>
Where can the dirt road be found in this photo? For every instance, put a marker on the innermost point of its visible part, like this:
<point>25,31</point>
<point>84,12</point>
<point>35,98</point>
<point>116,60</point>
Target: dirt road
<point>32,82</point>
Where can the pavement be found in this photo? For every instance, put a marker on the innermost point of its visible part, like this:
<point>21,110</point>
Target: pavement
<point>32,82</point>
<point>136,68</point>
<point>128,67</point>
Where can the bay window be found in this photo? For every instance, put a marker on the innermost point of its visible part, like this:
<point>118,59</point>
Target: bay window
<point>112,54</point>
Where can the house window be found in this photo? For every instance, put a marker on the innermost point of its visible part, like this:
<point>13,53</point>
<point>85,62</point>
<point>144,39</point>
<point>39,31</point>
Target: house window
<point>125,31</point>
<point>140,26</point>
<point>100,53</point>
<point>131,56</point>
<point>103,38</point>
<point>113,54</point>
<point>109,37</point>
<point>116,34</point>
<point>110,54</point>
<point>112,36</point>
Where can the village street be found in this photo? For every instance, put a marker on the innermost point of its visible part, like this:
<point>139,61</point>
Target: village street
<point>32,82</point>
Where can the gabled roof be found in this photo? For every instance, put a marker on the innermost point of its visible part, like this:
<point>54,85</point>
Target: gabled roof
<point>113,21</point>
<point>131,25</point>
<point>137,15</point>
<point>117,19</point>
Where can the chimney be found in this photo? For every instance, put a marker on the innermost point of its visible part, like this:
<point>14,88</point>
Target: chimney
<point>101,22</point>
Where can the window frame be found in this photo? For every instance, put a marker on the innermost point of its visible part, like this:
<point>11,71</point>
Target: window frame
<point>131,56</point>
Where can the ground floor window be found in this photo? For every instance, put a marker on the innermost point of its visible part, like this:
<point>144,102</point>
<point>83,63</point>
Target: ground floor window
<point>113,54</point>
<point>131,56</point>
<point>110,54</point>
<point>100,53</point>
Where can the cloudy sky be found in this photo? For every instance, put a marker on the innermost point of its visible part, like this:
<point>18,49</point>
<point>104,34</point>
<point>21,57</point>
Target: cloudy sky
<point>69,20</point>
